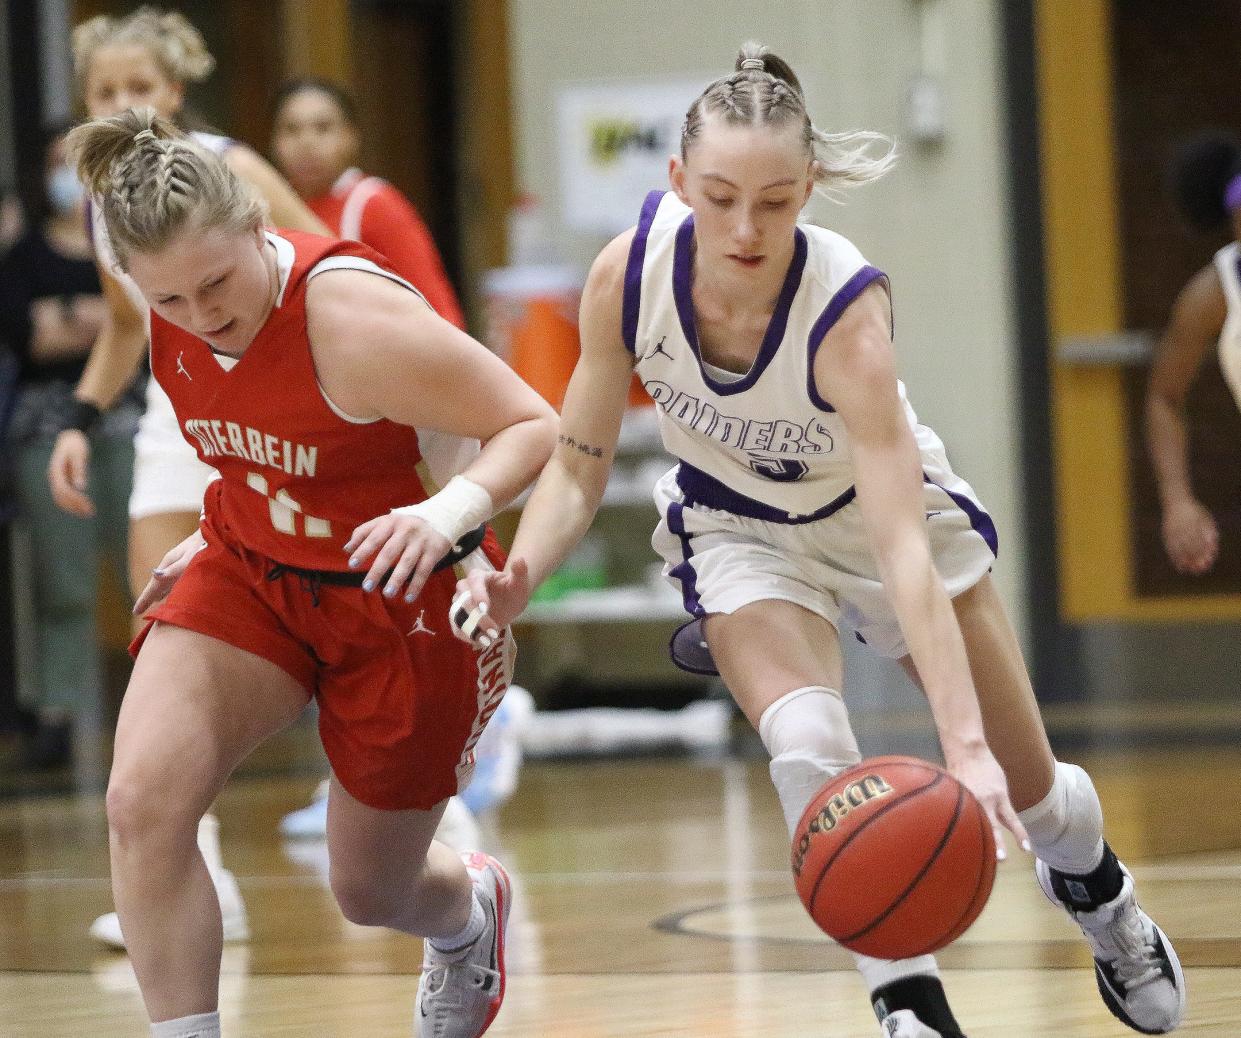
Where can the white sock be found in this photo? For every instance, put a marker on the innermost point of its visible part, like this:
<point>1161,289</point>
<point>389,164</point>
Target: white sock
<point>879,972</point>
<point>203,1025</point>
<point>470,933</point>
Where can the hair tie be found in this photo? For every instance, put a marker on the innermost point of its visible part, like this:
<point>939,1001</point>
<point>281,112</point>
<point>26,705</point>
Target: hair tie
<point>145,135</point>
<point>753,65</point>
<point>1232,194</point>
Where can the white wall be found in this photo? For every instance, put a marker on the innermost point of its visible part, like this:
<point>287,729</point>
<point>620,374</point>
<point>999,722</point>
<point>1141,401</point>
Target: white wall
<point>938,225</point>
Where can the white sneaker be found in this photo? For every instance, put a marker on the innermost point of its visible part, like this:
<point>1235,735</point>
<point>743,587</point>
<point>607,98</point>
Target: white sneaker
<point>309,822</point>
<point>904,1024</point>
<point>459,993</point>
<point>1137,970</point>
<point>458,829</point>
<point>107,928</point>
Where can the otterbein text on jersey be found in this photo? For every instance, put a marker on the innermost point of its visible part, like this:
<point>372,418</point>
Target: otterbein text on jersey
<point>230,440</point>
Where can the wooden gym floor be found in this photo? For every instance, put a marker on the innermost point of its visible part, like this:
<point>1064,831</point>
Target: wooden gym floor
<point>652,898</point>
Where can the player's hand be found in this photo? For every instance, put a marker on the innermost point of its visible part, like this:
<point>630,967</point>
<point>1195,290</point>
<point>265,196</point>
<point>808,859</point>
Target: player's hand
<point>487,602</point>
<point>1190,536</point>
<point>168,571</point>
<point>404,544</point>
<point>68,471</point>
<point>980,773</point>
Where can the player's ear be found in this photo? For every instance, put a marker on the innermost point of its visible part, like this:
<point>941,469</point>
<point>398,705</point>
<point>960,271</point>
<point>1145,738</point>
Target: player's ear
<point>677,177</point>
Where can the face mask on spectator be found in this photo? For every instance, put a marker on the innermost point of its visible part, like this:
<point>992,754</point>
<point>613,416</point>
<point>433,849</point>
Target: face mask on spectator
<point>64,190</point>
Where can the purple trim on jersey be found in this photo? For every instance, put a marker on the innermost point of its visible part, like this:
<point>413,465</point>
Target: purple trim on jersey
<point>836,306</point>
<point>703,489</point>
<point>1232,194</point>
<point>685,571</point>
<point>683,292</point>
<point>979,520</point>
<point>631,298</point>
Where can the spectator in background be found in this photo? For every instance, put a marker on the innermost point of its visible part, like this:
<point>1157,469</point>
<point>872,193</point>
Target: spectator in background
<point>51,310</point>
<point>315,143</point>
<point>1205,316</point>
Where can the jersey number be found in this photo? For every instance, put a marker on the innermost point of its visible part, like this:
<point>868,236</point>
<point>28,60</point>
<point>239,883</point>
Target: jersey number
<point>782,471</point>
<point>284,510</point>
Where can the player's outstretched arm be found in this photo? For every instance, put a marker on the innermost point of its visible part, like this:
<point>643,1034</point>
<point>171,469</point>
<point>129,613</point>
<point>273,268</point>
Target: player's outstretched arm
<point>1190,535</point>
<point>567,496</point>
<point>855,369</point>
<point>381,352</point>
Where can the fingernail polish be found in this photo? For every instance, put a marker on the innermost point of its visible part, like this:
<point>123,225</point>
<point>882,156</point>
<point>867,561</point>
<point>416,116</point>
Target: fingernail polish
<point>389,591</point>
<point>353,563</point>
<point>410,598</point>
<point>368,585</point>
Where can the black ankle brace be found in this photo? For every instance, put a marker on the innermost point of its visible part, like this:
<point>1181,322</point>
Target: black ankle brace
<point>1088,892</point>
<point>925,996</point>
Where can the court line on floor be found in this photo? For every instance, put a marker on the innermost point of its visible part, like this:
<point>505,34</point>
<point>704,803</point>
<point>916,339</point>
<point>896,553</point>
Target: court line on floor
<point>1160,873</point>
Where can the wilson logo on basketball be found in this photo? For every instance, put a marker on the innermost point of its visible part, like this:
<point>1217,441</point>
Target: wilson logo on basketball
<point>856,794</point>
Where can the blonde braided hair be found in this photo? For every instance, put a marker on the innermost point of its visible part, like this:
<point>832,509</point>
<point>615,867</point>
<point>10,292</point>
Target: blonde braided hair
<point>151,182</point>
<point>764,90</point>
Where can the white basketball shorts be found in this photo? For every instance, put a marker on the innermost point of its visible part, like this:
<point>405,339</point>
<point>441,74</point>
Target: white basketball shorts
<point>721,561</point>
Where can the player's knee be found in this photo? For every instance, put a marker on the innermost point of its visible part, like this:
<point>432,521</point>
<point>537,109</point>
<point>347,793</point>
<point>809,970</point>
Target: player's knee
<point>364,898</point>
<point>808,735</point>
<point>1066,826</point>
<point>142,810</point>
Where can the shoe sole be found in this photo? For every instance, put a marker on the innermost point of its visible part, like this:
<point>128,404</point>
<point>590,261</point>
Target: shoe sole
<point>503,899</point>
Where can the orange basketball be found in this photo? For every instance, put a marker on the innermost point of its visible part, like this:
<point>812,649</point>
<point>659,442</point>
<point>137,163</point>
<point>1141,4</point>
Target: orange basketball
<point>894,858</point>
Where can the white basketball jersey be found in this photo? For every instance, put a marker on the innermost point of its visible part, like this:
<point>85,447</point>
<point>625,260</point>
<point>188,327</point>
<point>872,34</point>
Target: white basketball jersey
<point>1228,264</point>
<point>764,444</point>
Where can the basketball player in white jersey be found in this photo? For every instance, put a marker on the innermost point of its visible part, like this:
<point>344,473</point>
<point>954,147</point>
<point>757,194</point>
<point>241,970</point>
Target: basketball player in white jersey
<point>1207,313</point>
<point>806,494</point>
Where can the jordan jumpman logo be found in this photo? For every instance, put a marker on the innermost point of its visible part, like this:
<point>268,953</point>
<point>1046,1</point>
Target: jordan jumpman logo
<point>659,348</point>
<point>181,367</point>
<point>419,626</point>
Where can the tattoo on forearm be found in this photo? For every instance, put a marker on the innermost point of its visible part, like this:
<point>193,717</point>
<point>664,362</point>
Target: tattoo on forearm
<point>584,448</point>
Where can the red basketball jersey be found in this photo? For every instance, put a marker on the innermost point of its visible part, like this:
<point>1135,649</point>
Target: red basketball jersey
<point>298,475</point>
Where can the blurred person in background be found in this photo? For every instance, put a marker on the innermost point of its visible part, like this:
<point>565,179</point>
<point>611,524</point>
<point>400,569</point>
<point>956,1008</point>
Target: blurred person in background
<point>1206,315</point>
<point>315,144</point>
<point>149,57</point>
<point>51,311</point>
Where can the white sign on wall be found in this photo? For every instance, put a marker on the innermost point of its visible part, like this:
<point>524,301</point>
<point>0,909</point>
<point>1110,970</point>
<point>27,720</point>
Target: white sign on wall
<point>615,140</point>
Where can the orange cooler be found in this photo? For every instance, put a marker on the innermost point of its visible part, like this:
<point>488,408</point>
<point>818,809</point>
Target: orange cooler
<point>532,324</point>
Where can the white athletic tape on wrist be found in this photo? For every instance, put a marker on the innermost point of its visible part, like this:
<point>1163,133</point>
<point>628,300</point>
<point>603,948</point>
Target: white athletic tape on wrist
<point>461,506</point>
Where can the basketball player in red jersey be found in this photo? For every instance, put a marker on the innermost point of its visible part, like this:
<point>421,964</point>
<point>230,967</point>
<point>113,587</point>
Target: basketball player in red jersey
<point>315,143</point>
<point>347,438</point>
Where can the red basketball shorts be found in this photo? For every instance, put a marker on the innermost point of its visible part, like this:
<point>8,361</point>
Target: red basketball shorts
<point>401,701</point>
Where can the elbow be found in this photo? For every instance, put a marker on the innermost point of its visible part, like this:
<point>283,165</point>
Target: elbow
<point>545,430</point>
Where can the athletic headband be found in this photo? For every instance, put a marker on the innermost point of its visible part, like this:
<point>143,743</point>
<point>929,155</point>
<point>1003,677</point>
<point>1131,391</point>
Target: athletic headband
<point>1232,194</point>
